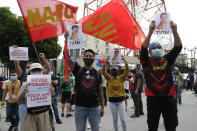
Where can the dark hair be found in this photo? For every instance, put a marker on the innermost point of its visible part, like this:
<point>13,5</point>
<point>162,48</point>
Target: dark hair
<point>75,26</point>
<point>12,71</point>
<point>29,63</point>
<point>89,50</point>
<point>163,14</point>
<point>116,51</point>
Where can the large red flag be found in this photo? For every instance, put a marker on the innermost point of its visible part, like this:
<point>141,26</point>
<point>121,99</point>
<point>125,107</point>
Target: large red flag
<point>112,23</point>
<point>47,18</point>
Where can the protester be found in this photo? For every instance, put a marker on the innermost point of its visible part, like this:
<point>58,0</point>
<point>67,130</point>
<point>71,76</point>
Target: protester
<point>159,84</point>
<point>105,90</point>
<point>89,91</point>
<point>54,105</point>
<point>22,75</point>
<point>116,93</point>
<point>195,82</point>
<point>6,99</point>
<point>12,87</point>
<point>180,86</point>
<point>136,93</point>
<point>35,118</point>
<point>126,86</point>
<point>66,89</point>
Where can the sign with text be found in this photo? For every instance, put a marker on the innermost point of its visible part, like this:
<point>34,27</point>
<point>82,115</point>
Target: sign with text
<point>115,57</point>
<point>19,53</point>
<point>162,23</point>
<point>75,36</point>
<point>39,90</point>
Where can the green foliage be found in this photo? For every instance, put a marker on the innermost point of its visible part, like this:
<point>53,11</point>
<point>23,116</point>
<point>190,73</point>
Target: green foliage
<point>14,32</point>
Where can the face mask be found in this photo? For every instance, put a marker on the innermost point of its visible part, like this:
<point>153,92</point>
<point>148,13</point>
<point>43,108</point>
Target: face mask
<point>50,73</point>
<point>13,78</point>
<point>88,61</point>
<point>114,73</point>
<point>36,73</point>
<point>157,53</point>
<point>27,71</point>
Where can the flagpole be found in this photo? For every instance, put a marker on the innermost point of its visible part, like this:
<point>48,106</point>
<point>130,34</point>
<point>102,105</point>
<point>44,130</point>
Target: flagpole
<point>36,52</point>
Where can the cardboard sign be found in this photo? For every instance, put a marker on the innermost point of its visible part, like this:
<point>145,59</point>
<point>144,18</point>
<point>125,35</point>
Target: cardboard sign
<point>162,23</point>
<point>39,90</point>
<point>20,53</point>
<point>75,37</point>
<point>115,57</point>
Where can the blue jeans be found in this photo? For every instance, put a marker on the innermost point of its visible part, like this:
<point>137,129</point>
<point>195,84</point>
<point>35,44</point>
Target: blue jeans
<point>178,95</point>
<point>55,109</point>
<point>118,108</point>
<point>6,109</point>
<point>13,115</point>
<point>22,108</point>
<point>81,115</point>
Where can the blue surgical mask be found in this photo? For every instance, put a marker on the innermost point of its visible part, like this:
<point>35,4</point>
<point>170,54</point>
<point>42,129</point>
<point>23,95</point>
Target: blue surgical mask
<point>157,53</point>
<point>13,78</point>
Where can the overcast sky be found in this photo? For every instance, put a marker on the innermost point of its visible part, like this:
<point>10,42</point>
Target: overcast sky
<point>182,12</point>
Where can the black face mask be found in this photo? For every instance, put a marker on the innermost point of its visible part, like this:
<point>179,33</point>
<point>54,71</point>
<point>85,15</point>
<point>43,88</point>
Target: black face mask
<point>88,61</point>
<point>114,73</point>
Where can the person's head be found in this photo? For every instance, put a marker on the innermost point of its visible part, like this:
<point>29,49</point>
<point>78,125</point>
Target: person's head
<point>13,75</point>
<point>114,70</point>
<point>163,17</point>
<point>28,64</point>
<point>116,53</point>
<point>75,29</point>
<point>36,69</point>
<point>88,57</point>
<point>70,73</point>
<point>137,67</point>
<point>156,50</point>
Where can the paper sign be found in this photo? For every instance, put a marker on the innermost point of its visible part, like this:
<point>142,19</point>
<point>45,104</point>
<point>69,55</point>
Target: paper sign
<point>39,90</point>
<point>115,57</point>
<point>162,23</point>
<point>20,53</point>
<point>75,37</point>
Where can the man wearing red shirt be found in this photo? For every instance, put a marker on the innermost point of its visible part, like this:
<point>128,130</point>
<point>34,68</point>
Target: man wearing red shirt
<point>159,84</point>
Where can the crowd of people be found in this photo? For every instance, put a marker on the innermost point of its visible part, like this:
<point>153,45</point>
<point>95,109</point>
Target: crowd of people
<point>90,90</point>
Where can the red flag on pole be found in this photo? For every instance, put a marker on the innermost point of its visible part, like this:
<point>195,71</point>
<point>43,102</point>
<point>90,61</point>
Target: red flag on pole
<point>112,23</point>
<point>47,18</point>
<point>66,62</point>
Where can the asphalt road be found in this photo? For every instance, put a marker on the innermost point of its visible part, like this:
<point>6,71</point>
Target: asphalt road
<point>187,113</point>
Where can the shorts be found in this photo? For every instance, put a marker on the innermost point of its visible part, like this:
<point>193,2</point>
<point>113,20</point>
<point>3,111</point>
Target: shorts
<point>66,97</point>
<point>127,93</point>
<point>73,99</point>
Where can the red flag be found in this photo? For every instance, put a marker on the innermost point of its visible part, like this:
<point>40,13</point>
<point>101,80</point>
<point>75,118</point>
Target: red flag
<point>66,62</point>
<point>112,23</point>
<point>47,18</point>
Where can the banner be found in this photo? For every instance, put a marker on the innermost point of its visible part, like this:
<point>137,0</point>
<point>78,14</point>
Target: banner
<point>112,23</point>
<point>115,57</point>
<point>39,90</point>
<point>19,53</point>
<point>47,18</point>
<point>75,37</point>
<point>162,23</point>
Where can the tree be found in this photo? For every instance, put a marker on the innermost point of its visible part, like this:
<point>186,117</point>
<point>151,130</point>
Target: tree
<point>13,31</point>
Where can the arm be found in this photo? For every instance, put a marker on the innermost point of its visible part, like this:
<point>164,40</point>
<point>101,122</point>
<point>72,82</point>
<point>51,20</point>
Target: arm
<point>71,64</point>
<point>22,93</point>
<point>18,68</point>
<point>147,40</point>
<point>172,55</point>
<point>103,70</point>
<point>139,82</point>
<point>4,95</point>
<point>48,67</point>
<point>101,98</point>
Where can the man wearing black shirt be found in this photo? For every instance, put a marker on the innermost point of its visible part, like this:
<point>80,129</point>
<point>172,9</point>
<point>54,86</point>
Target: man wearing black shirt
<point>136,93</point>
<point>159,84</point>
<point>89,93</point>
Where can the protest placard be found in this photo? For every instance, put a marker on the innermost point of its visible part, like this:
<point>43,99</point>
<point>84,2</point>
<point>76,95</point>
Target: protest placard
<point>115,57</point>
<point>75,37</point>
<point>39,87</point>
<point>162,23</point>
<point>19,53</point>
